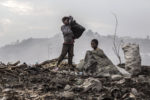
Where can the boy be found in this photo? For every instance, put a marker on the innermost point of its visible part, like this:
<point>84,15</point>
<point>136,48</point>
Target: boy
<point>97,51</point>
<point>97,63</point>
<point>68,44</point>
<point>94,44</point>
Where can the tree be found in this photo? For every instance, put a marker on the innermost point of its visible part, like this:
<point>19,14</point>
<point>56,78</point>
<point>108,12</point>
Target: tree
<point>116,46</point>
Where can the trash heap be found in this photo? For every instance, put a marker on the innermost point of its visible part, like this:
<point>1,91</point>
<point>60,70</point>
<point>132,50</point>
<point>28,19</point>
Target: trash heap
<point>41,82</point>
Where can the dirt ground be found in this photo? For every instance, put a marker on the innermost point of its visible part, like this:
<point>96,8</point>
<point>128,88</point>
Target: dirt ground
<point>41,82</point>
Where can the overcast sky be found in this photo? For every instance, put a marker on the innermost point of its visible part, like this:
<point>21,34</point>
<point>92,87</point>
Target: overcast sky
<point>21,19</point>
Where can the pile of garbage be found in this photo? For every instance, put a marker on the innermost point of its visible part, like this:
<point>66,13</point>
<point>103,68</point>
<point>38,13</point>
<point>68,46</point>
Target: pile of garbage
<point>42,82</point>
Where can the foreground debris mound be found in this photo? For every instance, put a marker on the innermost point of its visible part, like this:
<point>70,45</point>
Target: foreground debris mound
<point>40,82</point>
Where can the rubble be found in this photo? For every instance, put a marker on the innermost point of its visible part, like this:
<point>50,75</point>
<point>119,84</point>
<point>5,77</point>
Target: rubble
<point>92,84</point>
<point>40,82</point>
<point>116,77</point>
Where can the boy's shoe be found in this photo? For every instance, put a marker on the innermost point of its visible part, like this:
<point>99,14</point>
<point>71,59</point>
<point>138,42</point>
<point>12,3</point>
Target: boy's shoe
<point>71,67</point>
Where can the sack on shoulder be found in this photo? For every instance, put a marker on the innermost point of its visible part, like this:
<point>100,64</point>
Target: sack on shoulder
<point>77,29</point>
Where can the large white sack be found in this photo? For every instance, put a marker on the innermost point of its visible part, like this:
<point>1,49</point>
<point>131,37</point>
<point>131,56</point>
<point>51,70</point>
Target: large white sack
<point>132,58</point>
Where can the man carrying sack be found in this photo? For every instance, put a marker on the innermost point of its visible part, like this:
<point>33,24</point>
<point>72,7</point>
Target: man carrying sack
<point>71,31</point>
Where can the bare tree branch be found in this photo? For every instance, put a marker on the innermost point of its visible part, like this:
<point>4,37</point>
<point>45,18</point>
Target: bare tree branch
<point>116,47</point>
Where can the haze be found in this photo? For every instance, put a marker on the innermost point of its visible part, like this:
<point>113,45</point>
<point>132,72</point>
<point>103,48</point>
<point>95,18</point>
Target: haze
<point>20,19</point>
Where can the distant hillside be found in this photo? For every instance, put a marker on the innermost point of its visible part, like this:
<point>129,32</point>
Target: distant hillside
<point>34,50</point>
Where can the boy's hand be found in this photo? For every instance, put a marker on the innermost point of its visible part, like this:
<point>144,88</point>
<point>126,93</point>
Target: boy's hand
<point>70,19</point>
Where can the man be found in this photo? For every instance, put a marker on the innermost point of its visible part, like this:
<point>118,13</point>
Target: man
<point>68,44</point>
